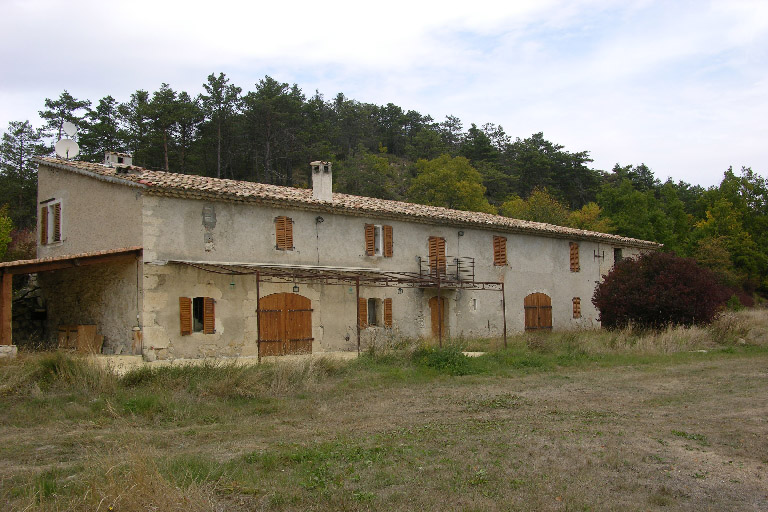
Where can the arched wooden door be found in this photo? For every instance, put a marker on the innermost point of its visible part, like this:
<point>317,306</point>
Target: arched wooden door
<point>285,324</point>
<point>437,310</point>
<point>538,312</point>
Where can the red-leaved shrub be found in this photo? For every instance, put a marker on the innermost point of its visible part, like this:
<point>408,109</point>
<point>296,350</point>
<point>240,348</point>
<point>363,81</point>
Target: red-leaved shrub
<point>658,289</point>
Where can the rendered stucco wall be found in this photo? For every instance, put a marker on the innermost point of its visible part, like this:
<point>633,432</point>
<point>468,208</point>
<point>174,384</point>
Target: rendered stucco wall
<point>95,215</point>
<point>183,229</point>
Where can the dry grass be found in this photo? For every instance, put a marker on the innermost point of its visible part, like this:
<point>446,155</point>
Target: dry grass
<point>573,421</point>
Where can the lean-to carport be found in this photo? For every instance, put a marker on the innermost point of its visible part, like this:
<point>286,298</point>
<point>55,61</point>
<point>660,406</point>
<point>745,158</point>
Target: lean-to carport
<point>11,268</point>
<point>448,277</point>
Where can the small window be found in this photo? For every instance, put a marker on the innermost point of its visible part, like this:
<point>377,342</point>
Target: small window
<point>574,251</point>
<point>50,223</point>
<point>617,255</point>
<point>283,233</point>
<point>372,312</point>
<point>378,240</point>
<point>197,315</point>
<point>576,307</point>
<point>499,251</point>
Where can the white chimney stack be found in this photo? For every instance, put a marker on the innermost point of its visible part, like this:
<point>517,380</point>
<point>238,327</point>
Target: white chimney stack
<point>322,181</point>
<point>115,159</point>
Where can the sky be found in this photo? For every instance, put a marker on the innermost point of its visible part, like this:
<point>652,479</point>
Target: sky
<point>681,86</point>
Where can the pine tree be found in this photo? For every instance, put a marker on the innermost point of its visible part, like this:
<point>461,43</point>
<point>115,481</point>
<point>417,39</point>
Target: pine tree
<point>18,174</point>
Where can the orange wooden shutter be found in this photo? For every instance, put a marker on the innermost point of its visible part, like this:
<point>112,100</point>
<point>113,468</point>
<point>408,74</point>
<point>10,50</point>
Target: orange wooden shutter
<point>388,313</point>
<point>387,241</point>
<point>370,234</point>
<point>43,225</point>
<point>185,315</point>
<point>574,256</point>
<point>576,307</point>
<point>284,233</point>
<point>362,313</point>
<point>209,315</point>
<point>57,222</point>
<point>499,250</point>
<point>437,254</point>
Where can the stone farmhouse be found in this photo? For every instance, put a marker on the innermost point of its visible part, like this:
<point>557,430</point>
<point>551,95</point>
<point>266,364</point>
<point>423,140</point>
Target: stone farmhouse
<point>182,266</point>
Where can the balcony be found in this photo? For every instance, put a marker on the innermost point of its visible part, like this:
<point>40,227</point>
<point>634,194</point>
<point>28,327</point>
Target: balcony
<point>449,271</point>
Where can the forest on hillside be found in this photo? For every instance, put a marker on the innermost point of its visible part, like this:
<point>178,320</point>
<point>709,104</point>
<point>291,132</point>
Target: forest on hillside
<point>270,134</point>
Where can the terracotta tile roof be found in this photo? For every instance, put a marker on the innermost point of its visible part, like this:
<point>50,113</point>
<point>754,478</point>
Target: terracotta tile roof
<point>201,187</point>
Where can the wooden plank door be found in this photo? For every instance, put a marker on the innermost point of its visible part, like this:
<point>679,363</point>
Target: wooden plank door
<point>285,324</point>
<point>437,310</point>
<point>538,312</point>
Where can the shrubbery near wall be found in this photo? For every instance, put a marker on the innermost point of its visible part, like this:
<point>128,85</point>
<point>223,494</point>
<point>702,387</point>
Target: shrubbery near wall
<point>659,289</point>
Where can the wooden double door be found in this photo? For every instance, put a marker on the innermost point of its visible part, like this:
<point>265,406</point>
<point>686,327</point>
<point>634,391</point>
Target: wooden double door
<point>538,312</point>
<point>285,324</point>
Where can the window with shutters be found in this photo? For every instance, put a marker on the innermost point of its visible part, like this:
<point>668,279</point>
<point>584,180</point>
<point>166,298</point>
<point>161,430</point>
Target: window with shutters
<point>373,310</point>
<point>436,248</point>
<point>378,240</point>
<point>197,314</point>
<point>574,247</point>
<point>388,313</point>
<point>284,233</point>
<point>576,307</point>
<point>50,223</point>
<point>499,251</point>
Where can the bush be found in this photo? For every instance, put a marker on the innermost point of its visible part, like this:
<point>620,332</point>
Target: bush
<point>659,289</point>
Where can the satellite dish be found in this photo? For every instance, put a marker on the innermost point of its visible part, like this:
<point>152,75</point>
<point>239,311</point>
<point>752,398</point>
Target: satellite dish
<point>67,148</point>
<point>69,128</point>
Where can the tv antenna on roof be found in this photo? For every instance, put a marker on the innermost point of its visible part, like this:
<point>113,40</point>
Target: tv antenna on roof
<point>67,148</point>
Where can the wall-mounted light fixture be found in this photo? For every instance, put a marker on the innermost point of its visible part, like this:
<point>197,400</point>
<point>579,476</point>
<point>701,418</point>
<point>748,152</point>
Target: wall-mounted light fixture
<point>319,219</point>
<point>399,290</point>
<point>232,284</point>
<point>461,233</point>
<point>295,288</point>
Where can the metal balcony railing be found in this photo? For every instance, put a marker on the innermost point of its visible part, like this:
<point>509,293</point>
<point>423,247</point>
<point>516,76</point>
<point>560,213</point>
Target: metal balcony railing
<point>451,269</point>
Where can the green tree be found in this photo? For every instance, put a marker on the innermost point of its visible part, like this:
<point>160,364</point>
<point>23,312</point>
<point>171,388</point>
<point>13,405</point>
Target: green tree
<point>189,115</point>
<point>220,104</point>
<point>6,226</point>
<point>102,131</point>
<point>367,174</point>
<point>590,217</point>
<point>18,173</point>
<point>540,206</point>
<point>135,114</point>
<point>63,109</point>
<point>163,110</point>
<point>449,182</point>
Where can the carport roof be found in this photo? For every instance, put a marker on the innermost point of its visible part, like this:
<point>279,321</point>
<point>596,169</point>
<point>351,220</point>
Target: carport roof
<point>70,260</point>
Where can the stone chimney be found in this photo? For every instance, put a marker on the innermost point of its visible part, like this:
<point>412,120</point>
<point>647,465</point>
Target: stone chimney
<point>115,159</point>
<point>322,181</point>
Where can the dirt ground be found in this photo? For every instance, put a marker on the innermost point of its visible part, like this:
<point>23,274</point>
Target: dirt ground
<point>685,435</point>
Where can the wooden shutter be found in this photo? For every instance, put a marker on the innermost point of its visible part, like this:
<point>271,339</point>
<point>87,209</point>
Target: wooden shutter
<point>362,313</point>
<point>576,307</point>
<point>185,315</point>
<point>387,230</point>
<point>388,313</point>
<point>57,222</point>
<point>499,250</point>
<point>209,315</point>
<point>370,235</point>
<point>574,257</point>
<point>436,254</point>
<point>43,225</point>
<point>284,233</point>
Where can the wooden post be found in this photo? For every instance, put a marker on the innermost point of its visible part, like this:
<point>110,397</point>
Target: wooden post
<point>440,313</point>
<point>357,316</point>
<point>258,318</point>
<point>6,314</point>
<point>504,312</point>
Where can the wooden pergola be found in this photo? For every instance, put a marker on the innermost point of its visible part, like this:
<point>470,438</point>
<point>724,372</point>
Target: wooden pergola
<point>11,268</point>
<point>438,279</point>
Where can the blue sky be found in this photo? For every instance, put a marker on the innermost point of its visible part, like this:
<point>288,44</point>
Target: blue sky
<point>679,85</point>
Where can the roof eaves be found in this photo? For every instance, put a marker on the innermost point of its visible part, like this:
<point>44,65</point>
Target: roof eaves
<point>84,172</point>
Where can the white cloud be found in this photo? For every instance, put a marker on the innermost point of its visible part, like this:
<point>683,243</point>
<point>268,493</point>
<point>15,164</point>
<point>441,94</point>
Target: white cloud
<point>678,85</point>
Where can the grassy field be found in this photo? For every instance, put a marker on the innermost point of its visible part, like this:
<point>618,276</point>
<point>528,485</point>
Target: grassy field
<point>676,420</point>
